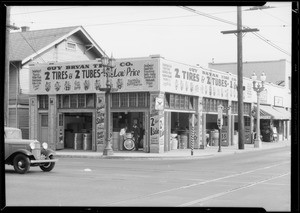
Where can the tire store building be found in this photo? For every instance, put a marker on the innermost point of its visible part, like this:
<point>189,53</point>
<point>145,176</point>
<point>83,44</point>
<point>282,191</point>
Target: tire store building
<point>174,104</point>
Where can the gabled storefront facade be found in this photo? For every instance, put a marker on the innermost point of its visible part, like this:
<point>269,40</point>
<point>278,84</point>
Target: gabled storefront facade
<point>41,46</point>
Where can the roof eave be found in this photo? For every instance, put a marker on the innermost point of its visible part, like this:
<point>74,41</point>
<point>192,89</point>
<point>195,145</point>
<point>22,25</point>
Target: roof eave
<point>30,58</point>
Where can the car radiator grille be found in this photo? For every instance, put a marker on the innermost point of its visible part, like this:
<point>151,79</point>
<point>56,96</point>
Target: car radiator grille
<point>37,151</point>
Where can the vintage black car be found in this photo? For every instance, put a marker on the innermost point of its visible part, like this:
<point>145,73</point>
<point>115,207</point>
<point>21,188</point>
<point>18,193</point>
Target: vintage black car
<point>23,153</point>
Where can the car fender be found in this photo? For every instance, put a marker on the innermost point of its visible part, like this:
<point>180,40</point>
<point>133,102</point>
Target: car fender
<point>47,152</point>
<point>22,151</point>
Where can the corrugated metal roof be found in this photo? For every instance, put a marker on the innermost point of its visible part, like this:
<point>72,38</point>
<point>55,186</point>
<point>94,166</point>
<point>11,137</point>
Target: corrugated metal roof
<point>24,44</point>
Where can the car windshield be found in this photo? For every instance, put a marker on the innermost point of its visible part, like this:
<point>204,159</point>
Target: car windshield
<point>13,134</point>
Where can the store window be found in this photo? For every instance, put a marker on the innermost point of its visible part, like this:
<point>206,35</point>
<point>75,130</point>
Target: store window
<point>115,100</point>
<point>172,101</point>
<point>211,105</point>
<point>210,109</point>
<point>132,99</point>
<point>167,100</point>
<point>43,101</point>
<point>74,101</point>
<point>215,107</point>
<point>66,101</point>
<point>177,101</point>
<point>124,100</point>
<point>142,99</point>
<point>71,46</point>
<point>90,101</point>
<point>81,101</point>
<point>182,101</point>
<point>234,109</point>
<point>187,102</point>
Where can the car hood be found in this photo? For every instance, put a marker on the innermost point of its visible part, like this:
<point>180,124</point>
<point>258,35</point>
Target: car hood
<point>19,141</point>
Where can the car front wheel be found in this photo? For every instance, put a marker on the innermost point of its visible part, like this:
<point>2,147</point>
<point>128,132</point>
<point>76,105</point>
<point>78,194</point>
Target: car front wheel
<point>47,167</point>
<point>21,164</point>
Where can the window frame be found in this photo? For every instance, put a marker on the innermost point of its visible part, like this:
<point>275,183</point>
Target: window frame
<point>70,48</point>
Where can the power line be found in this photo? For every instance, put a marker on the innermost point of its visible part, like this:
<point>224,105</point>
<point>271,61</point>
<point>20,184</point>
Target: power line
<point>141,20</point>
<point>274,16</point>
<point>270,43</point>
<point>40,11</point>
<point>232,23</point>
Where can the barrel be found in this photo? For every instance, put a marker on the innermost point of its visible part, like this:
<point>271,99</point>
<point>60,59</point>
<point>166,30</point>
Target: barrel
<point>183,141</point>
<point>174,141</point>
<point>78,141</point>
<point>215,137</point>
<point>87,141</point>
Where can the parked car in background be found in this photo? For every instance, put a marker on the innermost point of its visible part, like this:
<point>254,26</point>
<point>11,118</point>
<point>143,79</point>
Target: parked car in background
<point>23,153</point>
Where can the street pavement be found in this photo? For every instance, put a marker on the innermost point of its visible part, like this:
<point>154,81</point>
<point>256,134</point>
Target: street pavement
<point>212,151</point>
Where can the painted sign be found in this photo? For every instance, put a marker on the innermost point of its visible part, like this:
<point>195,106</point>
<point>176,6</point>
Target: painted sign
<point>136,74</point>
<point>100,119</point>
<point>264,97</point>
<point>189,80</point>
<point>91,76</point>
<point>179,78</point>
<point>154,129</point>
<point>278,101</point>
<point>248,90</point>
<point>161,130</point>
<point>215,84</point>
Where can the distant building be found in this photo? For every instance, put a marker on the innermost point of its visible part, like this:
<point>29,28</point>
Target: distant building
<point>278,71</point>
<point>41,46</point>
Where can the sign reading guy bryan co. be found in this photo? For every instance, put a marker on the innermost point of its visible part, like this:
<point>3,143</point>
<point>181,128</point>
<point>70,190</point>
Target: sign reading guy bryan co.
<point>91,76</point>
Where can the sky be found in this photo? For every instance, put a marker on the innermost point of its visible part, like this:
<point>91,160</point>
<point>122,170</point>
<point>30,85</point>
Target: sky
<point>176,33</point>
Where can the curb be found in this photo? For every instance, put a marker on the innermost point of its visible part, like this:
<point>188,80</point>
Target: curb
<point>163,157</point>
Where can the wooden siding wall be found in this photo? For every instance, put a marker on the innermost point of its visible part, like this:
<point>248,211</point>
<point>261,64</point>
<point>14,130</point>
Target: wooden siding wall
<point>13,82</point>
<point>23,120</point>
<point>58,53</point>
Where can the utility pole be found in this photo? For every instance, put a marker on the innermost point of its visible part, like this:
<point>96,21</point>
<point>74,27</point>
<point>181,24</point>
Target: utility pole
<point>238,32</point>
<point>6,81</point>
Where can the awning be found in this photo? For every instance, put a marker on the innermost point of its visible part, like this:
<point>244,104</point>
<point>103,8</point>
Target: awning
<point>287,114</point>
<point>268,112</point>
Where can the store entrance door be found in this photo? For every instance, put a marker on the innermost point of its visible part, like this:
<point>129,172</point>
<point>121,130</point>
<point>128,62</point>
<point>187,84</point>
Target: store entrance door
<point>122,119</point>
<point>43,133</point>
<point>77,130</point>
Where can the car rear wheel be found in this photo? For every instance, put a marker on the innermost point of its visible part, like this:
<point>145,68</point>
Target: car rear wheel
<point>21,164</point>
<point>47,167</point>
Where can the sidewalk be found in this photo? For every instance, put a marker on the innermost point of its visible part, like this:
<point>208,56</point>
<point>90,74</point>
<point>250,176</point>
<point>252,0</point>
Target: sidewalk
<point>173,154</point>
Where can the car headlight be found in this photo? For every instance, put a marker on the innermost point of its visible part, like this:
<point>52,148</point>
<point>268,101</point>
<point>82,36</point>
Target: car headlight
<point>32,145</point>
<point>45,145</point>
